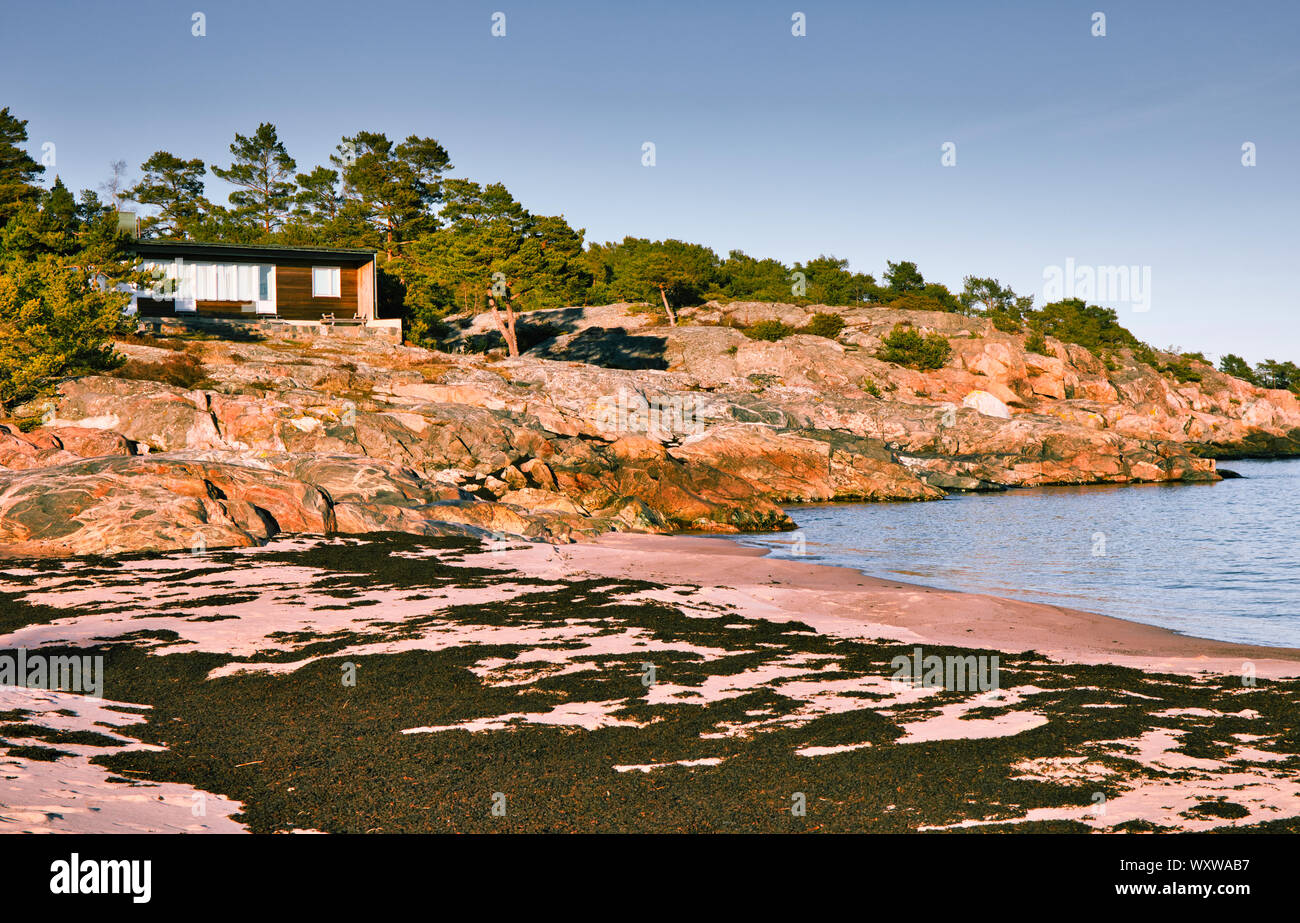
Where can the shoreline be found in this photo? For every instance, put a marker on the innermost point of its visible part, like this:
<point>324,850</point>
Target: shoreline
<point>842,601</point>
<point>771,672</point>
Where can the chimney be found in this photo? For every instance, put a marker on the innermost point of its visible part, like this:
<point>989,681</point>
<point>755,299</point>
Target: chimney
<point>128,223</point>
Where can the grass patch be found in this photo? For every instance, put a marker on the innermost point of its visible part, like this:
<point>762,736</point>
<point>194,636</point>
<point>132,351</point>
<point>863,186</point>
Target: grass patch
<point>183,370</point>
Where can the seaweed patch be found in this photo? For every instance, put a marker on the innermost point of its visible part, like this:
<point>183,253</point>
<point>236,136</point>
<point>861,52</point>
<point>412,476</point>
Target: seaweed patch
<point>463,697</point>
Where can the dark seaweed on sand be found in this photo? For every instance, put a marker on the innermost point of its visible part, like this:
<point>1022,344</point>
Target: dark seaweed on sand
<point>303,750</point>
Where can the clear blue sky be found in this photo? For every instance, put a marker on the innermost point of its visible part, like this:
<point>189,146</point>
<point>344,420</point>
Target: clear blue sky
<point>1122,150</point>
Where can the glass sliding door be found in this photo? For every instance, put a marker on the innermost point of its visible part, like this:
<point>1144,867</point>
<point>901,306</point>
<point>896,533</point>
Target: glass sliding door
<point>247,288</point>
<point>265,289</point>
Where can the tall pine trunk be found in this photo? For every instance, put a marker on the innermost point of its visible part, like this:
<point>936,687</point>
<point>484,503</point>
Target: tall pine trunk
<point>672,317</point>
<point>506,326</point>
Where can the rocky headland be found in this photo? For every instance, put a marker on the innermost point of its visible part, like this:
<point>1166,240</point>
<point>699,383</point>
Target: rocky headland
<point>611,421</point>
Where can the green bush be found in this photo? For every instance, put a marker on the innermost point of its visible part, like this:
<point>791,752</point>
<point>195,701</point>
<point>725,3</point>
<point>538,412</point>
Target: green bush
<point>905,346</point>
<point>54,322</point>
<point>1144,353</point>
<point>1182,370</point>
<point>1037,343</point>
<point>427,331</point>
<point>769,330</point>
<point>1091,326</point>
<point>924,301</point>
<point>824,325</point>
<point>1005,321</point>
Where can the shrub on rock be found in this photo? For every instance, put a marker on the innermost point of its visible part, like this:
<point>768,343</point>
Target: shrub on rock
<point>769,330</point>
<point>824,325</point>
<point>53,322</point>
<point>905,346</point>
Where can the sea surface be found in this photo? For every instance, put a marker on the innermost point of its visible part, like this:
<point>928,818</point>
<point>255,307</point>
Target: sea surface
<point>1215,561</point>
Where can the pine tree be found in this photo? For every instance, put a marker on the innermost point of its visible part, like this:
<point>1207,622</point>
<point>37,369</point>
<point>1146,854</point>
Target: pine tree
<point>750,279</point>
<point>264,173</point>
<point>1237,367</point>
<point>90,208</point>
<point>1274,374</point>
<point>392,188</point>
<point>318,198</point>
<point>17,168</point>
<point>60,304</point>
<point>60,207</point>
<point>175,187</point>
<point>492,254</point>
<point>634,270</point>
<point>53,322</point>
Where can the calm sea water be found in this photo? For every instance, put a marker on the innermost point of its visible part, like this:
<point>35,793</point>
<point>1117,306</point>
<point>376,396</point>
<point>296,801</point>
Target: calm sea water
<point>1210,560</point>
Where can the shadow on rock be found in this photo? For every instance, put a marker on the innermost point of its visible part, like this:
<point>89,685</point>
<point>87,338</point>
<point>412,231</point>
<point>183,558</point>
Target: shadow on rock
<point>611,348</point>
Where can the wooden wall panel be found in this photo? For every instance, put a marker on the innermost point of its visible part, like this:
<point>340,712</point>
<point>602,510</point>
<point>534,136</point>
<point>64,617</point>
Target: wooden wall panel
<point>366,290</point>
<point>293,297</point>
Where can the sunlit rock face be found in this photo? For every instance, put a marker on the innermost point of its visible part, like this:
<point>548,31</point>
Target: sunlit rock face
<point>613,420</point>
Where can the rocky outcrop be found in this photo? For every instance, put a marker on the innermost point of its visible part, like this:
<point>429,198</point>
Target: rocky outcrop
<point>201,500</point>
<point>613,421</point>
<point>806,465</point>
<point>151,503</point>
<point>57,444</point>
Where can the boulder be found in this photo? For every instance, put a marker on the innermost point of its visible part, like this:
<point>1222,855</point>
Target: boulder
<point>987,404</point>
<point>155,416</point>
<point>20,451</point>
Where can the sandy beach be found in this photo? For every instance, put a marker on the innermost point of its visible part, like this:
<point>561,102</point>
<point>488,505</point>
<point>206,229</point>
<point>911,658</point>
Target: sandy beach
<point>843,602</point>
<point>635,683</point>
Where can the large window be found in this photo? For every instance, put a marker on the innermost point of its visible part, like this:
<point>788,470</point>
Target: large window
<point>325,281</point>
<point>243,282</point>
<point>163,281</point>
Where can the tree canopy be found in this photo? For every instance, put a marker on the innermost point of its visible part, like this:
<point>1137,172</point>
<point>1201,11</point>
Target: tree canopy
<point>18,171</point>
<point>488,240</point>
<point>446,242</point>
<point>1075,321</point>
<point>60,305</point>
<point>262,172</point>
<point>391,188</point>
<point>175,187</point>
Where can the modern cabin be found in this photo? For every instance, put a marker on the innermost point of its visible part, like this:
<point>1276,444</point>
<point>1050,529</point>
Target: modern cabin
<point>298,286</point>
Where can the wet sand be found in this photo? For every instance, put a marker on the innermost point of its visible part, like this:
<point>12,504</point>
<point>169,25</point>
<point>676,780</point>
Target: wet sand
<point>841,601</point>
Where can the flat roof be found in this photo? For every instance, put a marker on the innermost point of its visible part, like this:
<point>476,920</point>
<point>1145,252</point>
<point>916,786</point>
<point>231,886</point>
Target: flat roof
<point>268,252</point>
